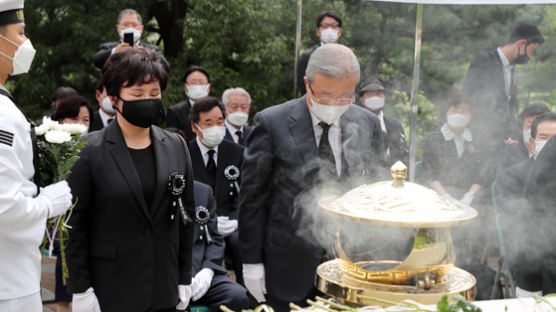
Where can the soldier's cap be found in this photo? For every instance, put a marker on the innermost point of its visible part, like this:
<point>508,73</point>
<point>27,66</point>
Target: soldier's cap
<point>11,12</point>
<point>370,84</point>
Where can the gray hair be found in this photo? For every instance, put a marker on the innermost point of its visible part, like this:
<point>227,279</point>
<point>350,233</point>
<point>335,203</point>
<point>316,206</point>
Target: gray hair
<point>333,60</point>
<point>239,91</point>
<point>129,11</point>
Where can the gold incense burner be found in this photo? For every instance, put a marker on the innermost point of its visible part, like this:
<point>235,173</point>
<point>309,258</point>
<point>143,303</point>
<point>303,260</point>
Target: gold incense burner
<point>393,242</point>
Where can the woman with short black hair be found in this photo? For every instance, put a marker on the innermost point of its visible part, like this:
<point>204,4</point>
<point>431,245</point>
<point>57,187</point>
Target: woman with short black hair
<point>131,238</point>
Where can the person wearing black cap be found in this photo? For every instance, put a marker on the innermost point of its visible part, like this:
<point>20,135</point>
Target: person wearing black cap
<point>490,88</point>
<point>372,97</point>
<point>23,209</point>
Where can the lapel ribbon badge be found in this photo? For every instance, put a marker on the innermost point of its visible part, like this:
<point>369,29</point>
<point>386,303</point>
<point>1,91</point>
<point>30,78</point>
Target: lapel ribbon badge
<point>232,174</point>
<point>176,184</point>
<point>202,217</point>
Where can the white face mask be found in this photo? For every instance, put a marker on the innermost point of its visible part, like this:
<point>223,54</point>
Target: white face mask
<point>23,57</point>
<point>526,136</point>
<point>538,147</point>
<point>329,35</point>
<point>328,113</point>
<point>458,121</point>
<point>136,33</point>
<point>374,103</point>
<point>212,136</point>
<point>238,118</point>
<point>197,92</point>
<point>107,106</point>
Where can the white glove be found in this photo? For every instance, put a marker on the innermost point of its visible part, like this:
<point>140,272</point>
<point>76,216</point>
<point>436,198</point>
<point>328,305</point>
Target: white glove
<point>201,283</point>
<point>467,198</point>
<point>85,302</point>
<point>253,276</point>
<point>522,293</point>
<point>226,226</point>
<point>449,197</point>
<point>184,292</point>
<point>57,198</point>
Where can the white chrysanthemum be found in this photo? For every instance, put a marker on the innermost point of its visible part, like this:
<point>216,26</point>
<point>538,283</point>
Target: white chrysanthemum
<point>50,124</point>
<point>57,136</point>
<point>41,130</point>
<point>73,128</point>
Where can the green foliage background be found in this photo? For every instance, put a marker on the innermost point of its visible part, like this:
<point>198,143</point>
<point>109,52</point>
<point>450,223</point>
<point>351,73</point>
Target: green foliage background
<point>251,43</point>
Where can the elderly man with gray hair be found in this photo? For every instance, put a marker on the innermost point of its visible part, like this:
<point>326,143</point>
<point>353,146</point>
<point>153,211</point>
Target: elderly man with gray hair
<point>238,105</point>
<point>295,149</point>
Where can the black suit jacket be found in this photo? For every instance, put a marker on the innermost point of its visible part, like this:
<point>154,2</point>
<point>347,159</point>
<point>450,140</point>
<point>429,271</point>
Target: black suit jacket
<point>535,269</point>
<point>97,123</point>
<point>246,132</point>
<point>224,191</point>
<point>132,255</point>
<point>493,110</point>
<point>207,255</point>
<point>395,140</point>
<point>177,116</point>
<point>302,67</point>
<point>280,171</point>
<point>105,50</point>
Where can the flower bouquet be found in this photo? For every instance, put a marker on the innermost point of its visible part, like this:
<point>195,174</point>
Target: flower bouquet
<point>58,148</point>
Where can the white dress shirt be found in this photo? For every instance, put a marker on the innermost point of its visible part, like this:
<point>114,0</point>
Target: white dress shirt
<point>104,117</point>
<point>507,70</point>
<point>458,140</point>
<point>205,150</point>
<point>334,137</point>
<point>233,130</point>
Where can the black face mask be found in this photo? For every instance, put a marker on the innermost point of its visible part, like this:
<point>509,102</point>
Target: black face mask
<point>143,113</point>
<point>521,58</point>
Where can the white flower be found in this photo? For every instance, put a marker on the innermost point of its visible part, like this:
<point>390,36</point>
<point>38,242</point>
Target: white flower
<point>41,130</point>
<point>57,136</point>
<point>50,124</point>
<point>73,128</point>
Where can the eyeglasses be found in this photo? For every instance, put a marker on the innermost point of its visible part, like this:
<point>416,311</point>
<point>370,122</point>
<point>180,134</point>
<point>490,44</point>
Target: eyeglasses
<point>333,26</point>
<point>331,101</point>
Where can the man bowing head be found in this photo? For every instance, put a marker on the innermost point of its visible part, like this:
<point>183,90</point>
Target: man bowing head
<point>294,148</point>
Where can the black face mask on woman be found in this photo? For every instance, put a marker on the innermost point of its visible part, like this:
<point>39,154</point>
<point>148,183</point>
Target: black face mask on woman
<point>143,113</point>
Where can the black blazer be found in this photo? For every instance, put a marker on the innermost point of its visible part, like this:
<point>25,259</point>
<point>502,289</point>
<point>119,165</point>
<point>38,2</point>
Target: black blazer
<point>178,117</point>
<point>97,123</point>
<point>485,90</point>
<point>224,191</point>
<point>302,67</point>
<point>105,50</point>
<point>395,140</point>
<point>246,132</point>
<point>132,255</point>
<point>281,161</point>
<point>207,255</point>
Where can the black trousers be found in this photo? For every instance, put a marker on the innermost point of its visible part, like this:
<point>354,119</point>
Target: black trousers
<point>224,291</point>
<point>233,256</point>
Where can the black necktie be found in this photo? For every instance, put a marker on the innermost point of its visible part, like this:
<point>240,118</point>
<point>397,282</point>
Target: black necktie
<point>239,137</point>
<point>325,151</point>
<point>211,168</point>
<point>109,120</point>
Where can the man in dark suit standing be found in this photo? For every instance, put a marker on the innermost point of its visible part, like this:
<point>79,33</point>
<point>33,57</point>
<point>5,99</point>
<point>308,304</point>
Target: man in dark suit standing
<point>329,30</point>
<point>129,21</point>
<point>372,97</point>
<point>238,104</point>
<point>217,162</point>
<point>210,285</point>
<point>105,113</point>
<point>490,88</point>
<point>196,83</point>
<point>294,149</point>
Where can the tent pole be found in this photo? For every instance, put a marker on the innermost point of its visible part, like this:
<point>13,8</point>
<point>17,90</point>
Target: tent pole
<point>415,92</point>
<point>297,45</point>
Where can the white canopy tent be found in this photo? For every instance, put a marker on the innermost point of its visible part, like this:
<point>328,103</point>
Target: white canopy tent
<point>417,54</point>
